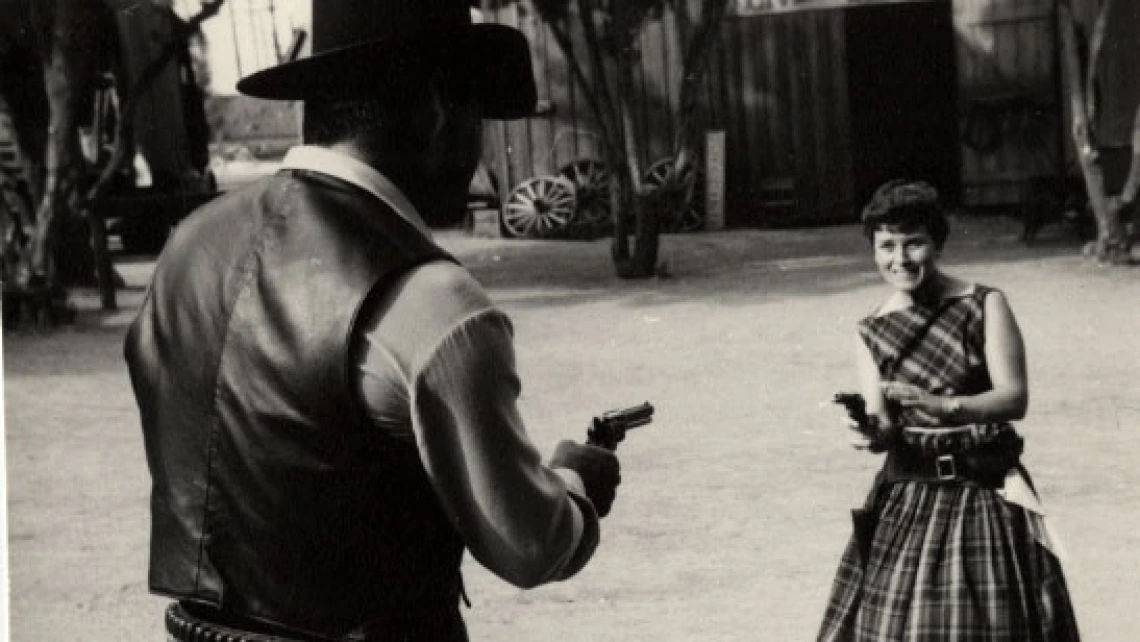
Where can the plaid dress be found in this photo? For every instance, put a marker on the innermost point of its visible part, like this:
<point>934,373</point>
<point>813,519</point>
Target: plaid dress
<point>947,562</point>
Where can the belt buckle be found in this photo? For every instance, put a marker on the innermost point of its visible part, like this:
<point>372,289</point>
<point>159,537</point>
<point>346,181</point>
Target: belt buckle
<point>946,468</point>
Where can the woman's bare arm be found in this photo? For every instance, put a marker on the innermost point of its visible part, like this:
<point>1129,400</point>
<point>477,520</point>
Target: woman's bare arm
<point>1005,357</point>
<point>870,383</point>
<point>1007,400</point>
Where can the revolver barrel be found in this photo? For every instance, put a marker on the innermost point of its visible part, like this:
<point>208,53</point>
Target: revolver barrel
<point>631,417</point>
<point>609,429</point>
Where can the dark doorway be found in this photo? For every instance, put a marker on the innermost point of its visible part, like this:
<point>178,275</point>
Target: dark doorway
<point>903,89</point>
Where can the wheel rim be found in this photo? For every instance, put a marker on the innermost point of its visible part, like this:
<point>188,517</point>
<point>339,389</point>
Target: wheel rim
<point>692,217</point>
<point>539,207</point>
<point>591,179</point>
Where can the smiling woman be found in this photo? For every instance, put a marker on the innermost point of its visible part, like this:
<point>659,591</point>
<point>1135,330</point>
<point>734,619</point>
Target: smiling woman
<point>952,543</point>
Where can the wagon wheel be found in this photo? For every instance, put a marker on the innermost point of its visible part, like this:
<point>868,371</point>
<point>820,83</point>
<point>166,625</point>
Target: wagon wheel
<point>591,179</point>
<point>692,178</point>
<point>539,207</point>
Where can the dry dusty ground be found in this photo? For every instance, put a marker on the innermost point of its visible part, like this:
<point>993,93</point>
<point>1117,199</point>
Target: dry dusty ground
<point>734,506</point>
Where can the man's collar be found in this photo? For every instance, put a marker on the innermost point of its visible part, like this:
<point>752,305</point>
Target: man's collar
<point>339,165</point>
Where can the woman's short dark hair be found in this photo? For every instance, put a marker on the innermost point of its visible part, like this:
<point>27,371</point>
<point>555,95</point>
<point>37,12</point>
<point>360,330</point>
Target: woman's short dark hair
<point>906,205</point>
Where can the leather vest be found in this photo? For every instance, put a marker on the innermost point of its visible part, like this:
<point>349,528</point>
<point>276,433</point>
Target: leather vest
<point>273,496</point>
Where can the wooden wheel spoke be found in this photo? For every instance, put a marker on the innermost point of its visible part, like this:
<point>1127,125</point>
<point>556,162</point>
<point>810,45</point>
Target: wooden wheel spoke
<point>539,207</point>
<point>591,180</point>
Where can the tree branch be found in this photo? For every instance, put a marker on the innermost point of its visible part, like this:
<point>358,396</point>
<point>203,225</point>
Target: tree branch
<point>1096,44</point>
<point>597,63</point>
<point>694,68</point>
<point>1072,66</point>
<point>559,29</point>
<point>1111,246</point>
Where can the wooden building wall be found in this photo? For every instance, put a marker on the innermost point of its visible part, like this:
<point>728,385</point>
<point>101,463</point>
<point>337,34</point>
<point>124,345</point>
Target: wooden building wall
<point>778,86</point>
<point>1011,105</point>
<point>544,144</point>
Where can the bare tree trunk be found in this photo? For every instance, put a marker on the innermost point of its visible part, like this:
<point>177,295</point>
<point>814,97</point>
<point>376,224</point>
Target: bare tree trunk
<point>1112,243</point>
<point>628,21</point>
<point>643,262</point>
<point>71,63</point>
<point>1096,45</point>
<point>694,68</point>
<point>611,31</point>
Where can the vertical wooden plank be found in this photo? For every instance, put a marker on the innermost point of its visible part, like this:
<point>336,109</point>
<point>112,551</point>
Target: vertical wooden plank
<point>959,13</point>
<point>517,131</point>
<point>970,72</point>
<point>495,138</point>
<point>752,115</point>
<point>585,123</point>
<point>751,110</point>
<point>816,136</point>
<point>651,100</point>
<point>1004,74</point>
<point>760,111</point>
<point>716,83</point>
<point>560,94</point>
<point>737,159</point>
<point>798,119</point>
<point>672,69</point>
<point>779,117</point>
<point>551,62</point>
<point>534,145</point>
<point>571,118</point>
<point>829,138</point>
<point>989,167</point>
<point>1048,93</point>
<point>1007,71</point>
<point>843,181</point>
<point>1005,53</point>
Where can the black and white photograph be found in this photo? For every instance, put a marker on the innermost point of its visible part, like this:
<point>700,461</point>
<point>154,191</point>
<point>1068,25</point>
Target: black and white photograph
<point>578,320</point>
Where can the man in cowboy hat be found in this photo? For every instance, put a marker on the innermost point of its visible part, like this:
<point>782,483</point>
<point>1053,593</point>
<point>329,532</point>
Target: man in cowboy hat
<point>327,397</point>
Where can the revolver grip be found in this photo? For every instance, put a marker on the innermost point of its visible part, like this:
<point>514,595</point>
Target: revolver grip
<point>603,435</point>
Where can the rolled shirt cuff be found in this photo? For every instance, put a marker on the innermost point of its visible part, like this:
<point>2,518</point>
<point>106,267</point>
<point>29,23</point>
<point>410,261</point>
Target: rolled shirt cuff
<point>590,533</point>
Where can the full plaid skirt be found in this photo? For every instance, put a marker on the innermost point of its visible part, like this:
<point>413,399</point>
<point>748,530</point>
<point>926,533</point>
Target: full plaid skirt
<point>950,563</point>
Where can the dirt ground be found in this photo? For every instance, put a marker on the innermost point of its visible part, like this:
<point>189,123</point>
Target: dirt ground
<point>734,506</point>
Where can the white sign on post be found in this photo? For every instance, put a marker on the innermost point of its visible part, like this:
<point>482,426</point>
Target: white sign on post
<point>714,180</point>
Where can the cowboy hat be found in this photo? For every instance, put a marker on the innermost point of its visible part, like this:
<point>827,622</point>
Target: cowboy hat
<point>363,48</point>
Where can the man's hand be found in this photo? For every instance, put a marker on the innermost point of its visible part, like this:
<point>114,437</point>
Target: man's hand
<point>598,468</point>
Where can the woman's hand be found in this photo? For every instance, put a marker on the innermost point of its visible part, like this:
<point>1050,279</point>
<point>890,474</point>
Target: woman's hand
<point>858,437</point>
<point>911,396</point>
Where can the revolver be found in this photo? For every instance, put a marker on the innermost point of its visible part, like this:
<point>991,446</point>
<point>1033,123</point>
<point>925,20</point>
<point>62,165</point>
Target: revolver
<point>856,406</point>
<point>881,436</point>
<point>609,429</point>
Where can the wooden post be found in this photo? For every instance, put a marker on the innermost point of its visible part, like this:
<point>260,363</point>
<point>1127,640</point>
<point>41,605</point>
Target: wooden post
<point>104,270</point>
<point>714,180</point>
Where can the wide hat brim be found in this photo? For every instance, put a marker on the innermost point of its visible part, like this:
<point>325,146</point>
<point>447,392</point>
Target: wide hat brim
<point>494,58</point>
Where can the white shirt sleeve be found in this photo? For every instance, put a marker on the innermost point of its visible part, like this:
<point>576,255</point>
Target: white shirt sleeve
<point>436,355</point>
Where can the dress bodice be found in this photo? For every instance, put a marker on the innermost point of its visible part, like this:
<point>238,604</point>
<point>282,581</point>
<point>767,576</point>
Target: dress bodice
<point>939,348</point>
